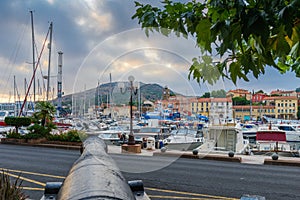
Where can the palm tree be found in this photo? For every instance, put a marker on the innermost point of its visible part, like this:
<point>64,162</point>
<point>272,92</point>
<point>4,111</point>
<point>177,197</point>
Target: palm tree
<point>45,112</point>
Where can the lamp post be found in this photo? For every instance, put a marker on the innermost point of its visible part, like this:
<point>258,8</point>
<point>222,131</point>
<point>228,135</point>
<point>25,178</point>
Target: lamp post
<point>133,87</point>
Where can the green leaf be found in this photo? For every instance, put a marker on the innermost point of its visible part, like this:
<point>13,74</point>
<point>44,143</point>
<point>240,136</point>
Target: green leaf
<point>203,34</point>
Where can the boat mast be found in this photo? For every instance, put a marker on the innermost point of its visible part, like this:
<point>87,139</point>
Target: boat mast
<point>110,97</point>
<point>33,54</point>
<point>49,47</point>
<point>15,108</point>
<point>25,90</point>
<point>34,71</point>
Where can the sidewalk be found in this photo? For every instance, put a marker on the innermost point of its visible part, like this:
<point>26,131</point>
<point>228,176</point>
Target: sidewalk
<point>222,156</point>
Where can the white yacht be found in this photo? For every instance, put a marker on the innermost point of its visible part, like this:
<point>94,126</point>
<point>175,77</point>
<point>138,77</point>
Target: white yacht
<point>292,133</point>
<point>184,139</point>
<point>249,132</point>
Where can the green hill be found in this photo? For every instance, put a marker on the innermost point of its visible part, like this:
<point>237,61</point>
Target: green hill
<point>110,92</point>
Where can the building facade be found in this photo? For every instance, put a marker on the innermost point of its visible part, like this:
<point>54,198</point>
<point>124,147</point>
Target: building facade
<point>217,109</point>
<point>239,93</point>
<point>286,107</point>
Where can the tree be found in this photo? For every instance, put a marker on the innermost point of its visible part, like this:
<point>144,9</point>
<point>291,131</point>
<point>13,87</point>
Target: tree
<point>45,112</point>
<point>17,122</point>
<point>206,95</point>
<point>246,35</point>
<point>218,93</point>
<point>237,101</point>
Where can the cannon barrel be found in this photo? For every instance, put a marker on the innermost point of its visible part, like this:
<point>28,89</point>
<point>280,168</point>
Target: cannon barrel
<point>95,176</point>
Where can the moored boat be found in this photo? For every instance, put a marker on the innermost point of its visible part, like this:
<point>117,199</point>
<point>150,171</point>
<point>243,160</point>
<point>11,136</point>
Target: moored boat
<point>271,139</point>
<point>184,139</point>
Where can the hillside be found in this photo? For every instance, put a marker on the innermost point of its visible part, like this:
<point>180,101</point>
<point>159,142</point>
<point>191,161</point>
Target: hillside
<point>102,94</point>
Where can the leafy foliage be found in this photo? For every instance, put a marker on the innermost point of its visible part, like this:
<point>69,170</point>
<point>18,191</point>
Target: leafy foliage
<point>247,36</point>
<point>206,95</point>
<point>39,131</point>
<point>17,122</point>
<point>70,136</point>
<point>218,93</point>
<point>10,190</point>
<point>14,135</point>
<point>45,112</point>
<point>240,101</point>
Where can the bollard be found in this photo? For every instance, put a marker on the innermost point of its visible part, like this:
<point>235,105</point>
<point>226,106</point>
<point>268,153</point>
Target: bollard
<point>231,154</point>
<point>275,156</point>
<point>95,176</point>
<point>195,152</point>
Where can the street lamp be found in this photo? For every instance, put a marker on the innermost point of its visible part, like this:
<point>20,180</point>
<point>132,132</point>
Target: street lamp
<point>133,87</point>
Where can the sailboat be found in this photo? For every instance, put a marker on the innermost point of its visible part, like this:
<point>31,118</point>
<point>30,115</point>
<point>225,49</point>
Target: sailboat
<point>36,64</point>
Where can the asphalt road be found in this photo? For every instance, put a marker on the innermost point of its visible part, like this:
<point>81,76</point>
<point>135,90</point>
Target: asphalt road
<point>217,179</point>
<point>37,165</point>
<point>163,178</point>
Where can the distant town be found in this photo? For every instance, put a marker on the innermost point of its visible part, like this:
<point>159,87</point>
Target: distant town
<point>218,106</point>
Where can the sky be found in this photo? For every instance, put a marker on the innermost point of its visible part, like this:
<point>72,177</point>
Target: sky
<point>99,40</point>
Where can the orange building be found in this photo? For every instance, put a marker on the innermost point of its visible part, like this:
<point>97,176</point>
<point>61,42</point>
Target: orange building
<point>239,93</point>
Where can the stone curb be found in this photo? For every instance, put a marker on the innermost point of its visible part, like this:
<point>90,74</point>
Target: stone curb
<point>269,161</point>
<point>58,146</point>
<point>225,157</point>
<point>206,157</point>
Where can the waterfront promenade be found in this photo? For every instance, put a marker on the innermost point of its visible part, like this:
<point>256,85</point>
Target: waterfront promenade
<point>216,155</point>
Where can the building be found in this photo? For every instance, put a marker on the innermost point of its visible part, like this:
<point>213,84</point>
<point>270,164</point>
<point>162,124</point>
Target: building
<point>177,103</point>
<point>217,109</point>
<point>258,97</point>
<point>166,93</point>
<point>286,107</point>
<point>239,93</point>
<point>7,106</point>
<point>248,112</point>
<point>288,93</point>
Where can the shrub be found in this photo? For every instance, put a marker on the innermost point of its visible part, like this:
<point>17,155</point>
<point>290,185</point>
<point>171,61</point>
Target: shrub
<point>13,134</point>
<point>38,131</point>
<point>70,136</point>
<point>17,121</point>
<point>10,191</point>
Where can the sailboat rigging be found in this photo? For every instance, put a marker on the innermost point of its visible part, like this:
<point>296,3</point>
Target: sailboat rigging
<point>34,72</point>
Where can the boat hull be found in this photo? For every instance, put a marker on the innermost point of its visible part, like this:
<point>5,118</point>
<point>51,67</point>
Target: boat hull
<point>183,146</point>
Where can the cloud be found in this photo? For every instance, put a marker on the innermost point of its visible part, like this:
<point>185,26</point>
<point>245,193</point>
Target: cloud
<point>98,38</point>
